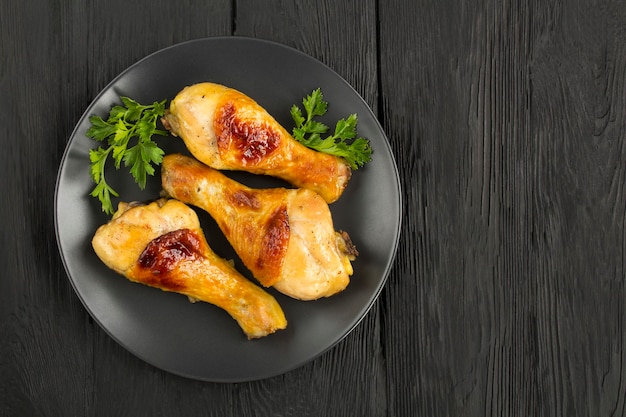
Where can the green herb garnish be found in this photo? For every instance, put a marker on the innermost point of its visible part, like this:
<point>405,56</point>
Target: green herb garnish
<point>344,143</point>
<point>127,122</point>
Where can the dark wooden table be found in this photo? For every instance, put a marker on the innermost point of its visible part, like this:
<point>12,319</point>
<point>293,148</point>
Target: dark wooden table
<point>508,124</point>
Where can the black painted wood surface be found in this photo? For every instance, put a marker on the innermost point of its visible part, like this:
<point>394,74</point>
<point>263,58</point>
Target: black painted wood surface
<point>508,122</point>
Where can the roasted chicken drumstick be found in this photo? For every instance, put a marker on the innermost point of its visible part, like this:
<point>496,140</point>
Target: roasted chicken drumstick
<point>285,237</point>
<point>227,130</point>
<point>162,245</point>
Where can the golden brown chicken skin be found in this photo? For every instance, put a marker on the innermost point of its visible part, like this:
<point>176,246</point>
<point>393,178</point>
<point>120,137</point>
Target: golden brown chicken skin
<point>227,130</point>
<point>162,245</point>
<point>285,237</point>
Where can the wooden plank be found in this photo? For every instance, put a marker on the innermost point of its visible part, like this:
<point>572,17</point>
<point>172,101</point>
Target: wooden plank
<point>578,130</point>
<point>515,167</point>
<point>56,56</point>
<point>347,380</point>
<point>41,331</point>
<point>151,26</point>
<point>323,29</point>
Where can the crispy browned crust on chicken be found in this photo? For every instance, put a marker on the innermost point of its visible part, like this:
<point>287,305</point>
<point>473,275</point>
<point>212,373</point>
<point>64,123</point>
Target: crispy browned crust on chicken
<point>162,245</point>
<point>285,237</point>
<point>227,130</point>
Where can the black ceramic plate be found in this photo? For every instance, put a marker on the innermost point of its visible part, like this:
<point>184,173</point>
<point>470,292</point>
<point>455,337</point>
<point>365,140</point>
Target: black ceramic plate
<point>199,340</point>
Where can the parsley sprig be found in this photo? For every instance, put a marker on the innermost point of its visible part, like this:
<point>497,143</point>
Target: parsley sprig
<point>125,123</point>
<point>343,142</point>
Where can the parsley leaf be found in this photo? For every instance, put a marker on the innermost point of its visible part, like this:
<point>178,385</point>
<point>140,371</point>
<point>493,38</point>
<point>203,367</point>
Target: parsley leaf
<point>130,121</point>
<point>343,142</point>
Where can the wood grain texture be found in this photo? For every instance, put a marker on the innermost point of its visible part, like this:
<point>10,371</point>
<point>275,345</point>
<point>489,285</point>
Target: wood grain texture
<point>342,34</point>
<point>55,59</point>
<point>41,327</point>
<point>144,389</point>
<point>349,379</point>
<point>508,122</point>
<point>513,250</point>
